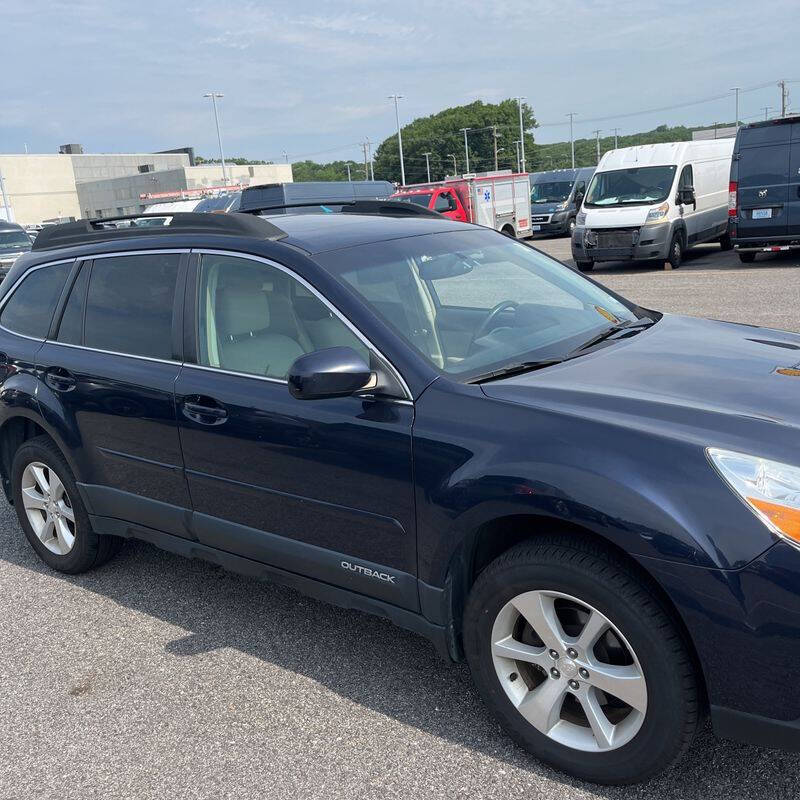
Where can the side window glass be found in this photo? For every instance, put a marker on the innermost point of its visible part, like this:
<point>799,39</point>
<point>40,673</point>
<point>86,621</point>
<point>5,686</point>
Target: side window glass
<point>443,202</point>
<point>70,330</point>
<point>686,180</point>
<point>30,308</point>
<point>256,319</point>
<point>129,304</point>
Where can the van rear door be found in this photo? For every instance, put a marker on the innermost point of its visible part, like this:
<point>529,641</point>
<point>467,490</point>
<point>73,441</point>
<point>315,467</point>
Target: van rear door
<point>763,170</point>
<point>794,183</point>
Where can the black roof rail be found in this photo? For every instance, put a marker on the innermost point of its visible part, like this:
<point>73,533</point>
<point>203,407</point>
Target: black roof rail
<point>384,208</point>
<point>89,231</point>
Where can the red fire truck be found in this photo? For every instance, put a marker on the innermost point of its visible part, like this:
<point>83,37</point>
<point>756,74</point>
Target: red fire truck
<point>499,200</point>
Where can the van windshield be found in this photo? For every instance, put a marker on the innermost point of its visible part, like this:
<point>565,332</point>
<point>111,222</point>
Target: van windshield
<point>551,191</point>
<point>635,186</point>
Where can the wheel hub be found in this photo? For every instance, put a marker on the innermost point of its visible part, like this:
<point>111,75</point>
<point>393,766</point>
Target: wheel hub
<point>48,508</point>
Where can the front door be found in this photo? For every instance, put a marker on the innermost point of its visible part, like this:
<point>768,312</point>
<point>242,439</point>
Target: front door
<point>320,488</point>
<point>111,364</point>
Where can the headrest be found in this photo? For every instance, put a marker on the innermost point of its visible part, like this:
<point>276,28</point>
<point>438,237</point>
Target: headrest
<point>241,311</point>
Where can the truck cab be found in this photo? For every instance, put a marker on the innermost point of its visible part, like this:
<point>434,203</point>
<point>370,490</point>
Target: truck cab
<point>442,199</point>
<point>556,197</point>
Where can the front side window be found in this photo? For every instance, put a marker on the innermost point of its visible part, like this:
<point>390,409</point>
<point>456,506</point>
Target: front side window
<point>30,308</point>
<point>634,186</point>
<point>129,304</point>
<point>470,301</point>
<point>256,319</point>
<point>444,202</point>
<point>686,181</point>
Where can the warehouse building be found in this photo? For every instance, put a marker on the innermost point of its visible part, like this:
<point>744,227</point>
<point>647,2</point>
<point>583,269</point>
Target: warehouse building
<point>72,184</point>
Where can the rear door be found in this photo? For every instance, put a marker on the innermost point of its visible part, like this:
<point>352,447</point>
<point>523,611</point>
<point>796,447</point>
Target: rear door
<point>110,365</point>
<point>763,170</point>
<point>793,217</point>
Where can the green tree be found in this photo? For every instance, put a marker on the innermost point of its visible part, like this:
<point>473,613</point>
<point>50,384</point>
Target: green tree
<point>440,135</point>
<point>333,171</point>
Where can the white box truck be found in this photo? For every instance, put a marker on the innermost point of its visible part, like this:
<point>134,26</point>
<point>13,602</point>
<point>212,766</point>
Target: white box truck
<point>653,202</point>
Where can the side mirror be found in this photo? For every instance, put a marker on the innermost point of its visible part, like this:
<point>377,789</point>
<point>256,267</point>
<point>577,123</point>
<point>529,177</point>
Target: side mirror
<point>578,201</point>
<point>687,197</point>
<point>333,372</point>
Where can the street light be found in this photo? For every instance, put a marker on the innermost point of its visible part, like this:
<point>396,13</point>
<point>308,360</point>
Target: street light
<point>214,96</point>
<point>428,164</point>
<point>737,90</point>
<point>521,135</point>
<point>455,163</point>
<point>571,138</point>
<point>466,149</point>
<point>397,97</point>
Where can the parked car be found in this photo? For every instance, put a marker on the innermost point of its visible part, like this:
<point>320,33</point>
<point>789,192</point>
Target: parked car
<point>653,202</point>
<point>499,200</point>
<point>556,198</point>
<point>219,204</point>
<point>14,241</point>
<point>764,192</point>
<point>597,504</point>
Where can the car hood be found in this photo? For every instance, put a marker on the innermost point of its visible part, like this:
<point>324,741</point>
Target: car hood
<point>691,374</point>
<point>616,217</point>
<point>546,208</point>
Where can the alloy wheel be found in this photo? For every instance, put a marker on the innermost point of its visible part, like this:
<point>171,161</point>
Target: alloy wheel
<point>48,508</point>
<point>569,671</point>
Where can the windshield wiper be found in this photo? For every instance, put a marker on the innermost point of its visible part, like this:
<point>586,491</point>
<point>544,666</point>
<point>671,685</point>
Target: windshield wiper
<point>632,325</point>
<point>514,369</point>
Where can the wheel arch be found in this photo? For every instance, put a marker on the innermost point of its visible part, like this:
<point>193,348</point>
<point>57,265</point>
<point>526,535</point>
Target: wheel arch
<point>494,537</point>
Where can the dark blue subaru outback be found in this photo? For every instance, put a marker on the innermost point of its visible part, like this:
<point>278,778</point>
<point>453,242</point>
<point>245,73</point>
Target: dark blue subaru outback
<point>598,505</point>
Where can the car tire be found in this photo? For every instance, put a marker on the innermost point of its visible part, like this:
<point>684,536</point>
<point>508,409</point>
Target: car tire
<point>51,512</point>
<point>592,577</point>
<point>585,266</point>
<point>725,242</point>
<point>675,255</point>
<point>747,258</point>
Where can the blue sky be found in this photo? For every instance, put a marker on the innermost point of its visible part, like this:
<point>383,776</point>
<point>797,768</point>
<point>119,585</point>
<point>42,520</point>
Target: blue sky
<point>311,78</point>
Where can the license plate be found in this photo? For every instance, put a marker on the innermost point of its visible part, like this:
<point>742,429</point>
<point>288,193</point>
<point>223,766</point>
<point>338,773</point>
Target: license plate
<point>762,213</point>
<point>536,227</point>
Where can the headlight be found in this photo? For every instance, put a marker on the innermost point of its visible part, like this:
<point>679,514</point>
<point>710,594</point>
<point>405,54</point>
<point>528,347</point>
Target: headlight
<point>770,489</point>
<point>657,214</point>
<point>561,206</point>
<point>580,218</point>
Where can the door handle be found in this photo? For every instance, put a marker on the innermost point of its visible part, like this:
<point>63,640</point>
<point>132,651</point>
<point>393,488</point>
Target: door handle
<point>204,410</point>
<point>60,379</point>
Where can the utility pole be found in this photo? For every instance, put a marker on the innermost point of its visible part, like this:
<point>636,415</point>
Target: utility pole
<point>369,160</point>
<point>737,89</point>
<point>767,109</point>
<point>428,165</point>
<point>6,206</point>
<point>455,163</point>
<point>519,163</point>
<point>396,98</point>
<point>597,140</point>
<point>616,131</point>
<point>782,84</point>
<point>571,138</point>
<point>285,156</point>
<point>366,162</point>
<point>521,135</point>
<point>466,148</point>
<point>348,172</point>
<point>494,142</point>
<point>214,96</point>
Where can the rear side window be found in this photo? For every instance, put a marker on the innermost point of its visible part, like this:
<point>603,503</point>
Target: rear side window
<point>30,308</point>
<point>71,328</point>
<point>129,304</point>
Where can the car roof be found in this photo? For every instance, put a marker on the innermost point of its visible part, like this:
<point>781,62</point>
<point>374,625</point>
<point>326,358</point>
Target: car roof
<point>317,233</point>
<point>10,226</point>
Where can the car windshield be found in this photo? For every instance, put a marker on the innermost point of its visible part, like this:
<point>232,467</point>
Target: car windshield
<point>14,240</point>
<point>551,191</point>
<point>635,186</point>
<point>419,199</point>
<point>473,301</point>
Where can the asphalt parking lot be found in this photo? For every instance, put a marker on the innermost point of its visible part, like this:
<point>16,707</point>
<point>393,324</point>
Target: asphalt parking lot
<point>156,677</point>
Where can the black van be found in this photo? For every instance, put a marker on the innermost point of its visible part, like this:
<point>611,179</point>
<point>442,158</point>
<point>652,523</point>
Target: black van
<point>764,197</point>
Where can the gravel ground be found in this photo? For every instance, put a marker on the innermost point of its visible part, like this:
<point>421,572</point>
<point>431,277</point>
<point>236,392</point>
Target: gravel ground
<point>157,677</point>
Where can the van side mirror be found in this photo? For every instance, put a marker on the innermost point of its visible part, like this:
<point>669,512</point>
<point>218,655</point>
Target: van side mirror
<point>686,196</point>
<point>333,372</point>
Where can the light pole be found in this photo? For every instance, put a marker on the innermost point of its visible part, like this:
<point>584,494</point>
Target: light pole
<point>767,109</point>
<point>428,165</point>
<point>519,163</point>
<point>571,139</point>
<point>597,139</point>
<point>616,131</point>
<point>521,135</point>
<point>736,89</point>
<point>349,179</point>
<point>466,149</point>
<point>396,98</point>
<point>214,96</point>
<point>455,163</point>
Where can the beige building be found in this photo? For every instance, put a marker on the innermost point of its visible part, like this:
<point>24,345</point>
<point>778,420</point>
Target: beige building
<point>75,185</point>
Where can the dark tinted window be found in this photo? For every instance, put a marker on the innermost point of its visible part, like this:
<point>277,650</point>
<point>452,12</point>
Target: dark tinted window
<point>129,304</point>
<point>29,311</point>
<point>71,328</point>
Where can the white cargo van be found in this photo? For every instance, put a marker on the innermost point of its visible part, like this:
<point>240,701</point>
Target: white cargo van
<point>654,201</point>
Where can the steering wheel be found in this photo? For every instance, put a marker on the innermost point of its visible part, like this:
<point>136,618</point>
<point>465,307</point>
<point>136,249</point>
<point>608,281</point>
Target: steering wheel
<point>488,323</point>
